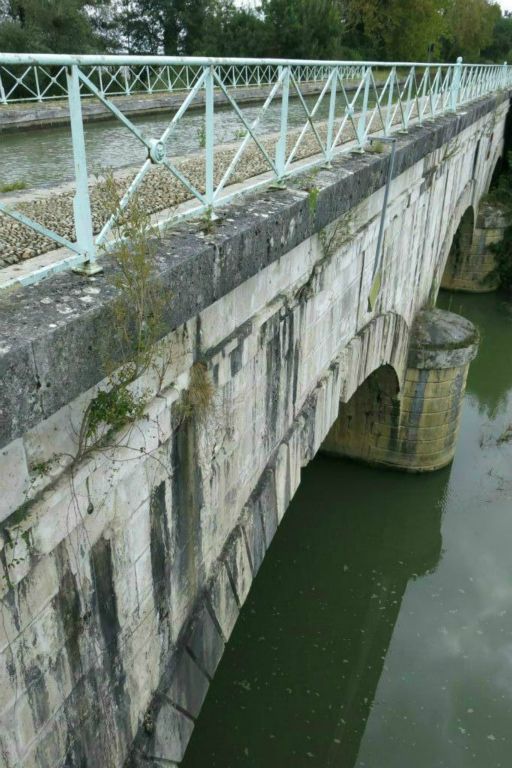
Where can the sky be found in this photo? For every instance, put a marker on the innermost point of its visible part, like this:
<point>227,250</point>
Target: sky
<point>506,5</point>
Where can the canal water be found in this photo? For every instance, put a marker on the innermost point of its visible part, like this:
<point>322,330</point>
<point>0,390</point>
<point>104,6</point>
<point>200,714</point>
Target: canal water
<point>44,156</point>
<point>378,632</point>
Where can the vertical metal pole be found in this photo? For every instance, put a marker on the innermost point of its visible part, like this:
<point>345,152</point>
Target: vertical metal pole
<point>38,90</point>
<point>503,85</point>
<point>434,91</point>
<point>455,85</point>
<point>284,72</point>
<point>408,108</point>
<point>126,84</point>
<point>3,97</point>
<point>332,115</point>
<point>209,138</point>
<point>361,125</point>
<point>81,201</point>
<point>389,112</point>
<point>377,271</point>
<point>423,100</point>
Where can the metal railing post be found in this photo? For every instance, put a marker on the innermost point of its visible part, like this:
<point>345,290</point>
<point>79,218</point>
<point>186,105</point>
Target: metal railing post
<point>455,85</point>
<point>38,89</point>
<point>283,133</point>
<point>332,115</point>
<point>389,111</point>
<point>209,139</point>
<point>3,97</point>
<point>361,125</point>
<point>504,75</point>
<point>408,108</point>
<point>81,201</point>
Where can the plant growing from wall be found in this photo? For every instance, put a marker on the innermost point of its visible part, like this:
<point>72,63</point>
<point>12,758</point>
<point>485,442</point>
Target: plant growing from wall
<point>137,322</point>
<point>197,399</point>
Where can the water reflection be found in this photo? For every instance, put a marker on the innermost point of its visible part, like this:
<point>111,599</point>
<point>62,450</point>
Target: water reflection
<point>491,372</point>
<point>300,673</point>
<point>365,641</point>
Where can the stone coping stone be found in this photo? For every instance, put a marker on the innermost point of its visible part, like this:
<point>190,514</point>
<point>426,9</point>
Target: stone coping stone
<point>442,339</point>
<point>54,335</point>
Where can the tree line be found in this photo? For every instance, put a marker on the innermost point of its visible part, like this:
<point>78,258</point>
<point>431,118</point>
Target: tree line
<point>399,30</point>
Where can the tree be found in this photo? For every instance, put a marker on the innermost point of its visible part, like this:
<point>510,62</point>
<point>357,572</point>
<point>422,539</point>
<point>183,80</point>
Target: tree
<point>233,31</point>
<point>500,48</point>
<point>304,29</point>
<point>469,28</point>
<point>406,30</point>
<point>166,26</point>
<point>53,26</point>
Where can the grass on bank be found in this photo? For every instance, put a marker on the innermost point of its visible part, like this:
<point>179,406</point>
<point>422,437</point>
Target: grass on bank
<point>13,186</point>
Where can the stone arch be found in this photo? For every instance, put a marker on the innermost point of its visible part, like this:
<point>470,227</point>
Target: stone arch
<point>367,425</point>
<point>412,427</point>
<point>459,254</point>
<point>373,368</point>
<point>495,171</point>
<point>384,341</point>
<point>465,201</point>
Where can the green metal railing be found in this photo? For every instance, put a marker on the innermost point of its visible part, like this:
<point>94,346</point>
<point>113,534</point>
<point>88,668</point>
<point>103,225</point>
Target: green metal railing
<point>362,97</point>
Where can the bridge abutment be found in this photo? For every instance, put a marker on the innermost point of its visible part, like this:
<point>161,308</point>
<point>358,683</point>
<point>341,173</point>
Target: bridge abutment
<point>415,430</point>
<point>471,265</point>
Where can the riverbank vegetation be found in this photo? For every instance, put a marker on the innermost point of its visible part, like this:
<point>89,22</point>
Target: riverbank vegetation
<point>434,30</point>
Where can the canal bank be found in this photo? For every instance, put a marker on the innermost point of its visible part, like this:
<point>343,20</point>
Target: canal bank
<point>383,637</point>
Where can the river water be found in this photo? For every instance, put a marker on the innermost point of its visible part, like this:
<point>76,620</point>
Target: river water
<point>378,632</point>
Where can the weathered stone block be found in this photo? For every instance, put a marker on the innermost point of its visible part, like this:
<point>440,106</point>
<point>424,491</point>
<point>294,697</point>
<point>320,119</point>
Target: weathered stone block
<point>267,502</point>
<point>14,478</point>
<point>189,685</point>
<point>223,601</point>
<point>172,732</point>
<point>238,564</point>
<point>205,642</point>
<point>252,524</point>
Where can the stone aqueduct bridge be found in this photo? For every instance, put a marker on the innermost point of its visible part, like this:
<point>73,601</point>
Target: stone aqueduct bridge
<point>121,582</point>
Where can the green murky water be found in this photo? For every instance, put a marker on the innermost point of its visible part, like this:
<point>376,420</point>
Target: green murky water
<point>378,633</point>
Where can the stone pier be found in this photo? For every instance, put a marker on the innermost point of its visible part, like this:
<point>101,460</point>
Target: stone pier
<point>414,429</point>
